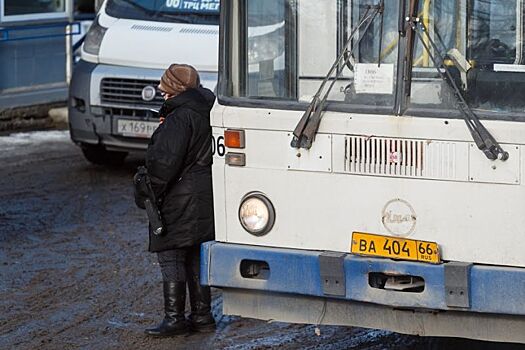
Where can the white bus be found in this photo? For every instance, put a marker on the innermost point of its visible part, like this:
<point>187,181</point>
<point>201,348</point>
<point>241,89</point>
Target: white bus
<point>368,165</point>
<point>128,47</point>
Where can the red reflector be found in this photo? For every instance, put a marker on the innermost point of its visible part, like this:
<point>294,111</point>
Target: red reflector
<point>234,138</point>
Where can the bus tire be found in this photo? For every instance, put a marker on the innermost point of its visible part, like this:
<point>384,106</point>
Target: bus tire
<point>98,155</point>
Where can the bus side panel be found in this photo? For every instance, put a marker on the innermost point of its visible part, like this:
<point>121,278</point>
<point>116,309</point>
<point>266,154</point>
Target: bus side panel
<point>219,201</point>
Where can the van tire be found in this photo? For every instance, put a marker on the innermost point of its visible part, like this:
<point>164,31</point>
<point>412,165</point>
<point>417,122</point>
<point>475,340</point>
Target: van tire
<point>97,154</point>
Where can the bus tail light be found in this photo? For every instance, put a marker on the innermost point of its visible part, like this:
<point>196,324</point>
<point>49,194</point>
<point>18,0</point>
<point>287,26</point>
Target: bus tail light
<point>235,159</point>
<point>234,138</point>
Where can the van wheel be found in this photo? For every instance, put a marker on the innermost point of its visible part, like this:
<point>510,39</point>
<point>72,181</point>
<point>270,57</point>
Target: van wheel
<point>101,156</point>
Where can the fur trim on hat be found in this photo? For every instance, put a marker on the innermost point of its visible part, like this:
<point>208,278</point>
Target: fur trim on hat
<point>179,78</point>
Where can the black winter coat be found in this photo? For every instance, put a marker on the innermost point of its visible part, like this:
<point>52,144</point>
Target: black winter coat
<point>186,203</point>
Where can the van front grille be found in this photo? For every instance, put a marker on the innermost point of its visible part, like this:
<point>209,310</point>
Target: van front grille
<point>141,114</point>
<point>128,92</point>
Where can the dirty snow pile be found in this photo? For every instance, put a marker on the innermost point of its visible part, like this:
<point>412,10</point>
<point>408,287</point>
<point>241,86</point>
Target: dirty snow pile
<point>14,141</point>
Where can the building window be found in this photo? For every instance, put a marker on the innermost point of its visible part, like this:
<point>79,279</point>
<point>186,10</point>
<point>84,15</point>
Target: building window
<point>22,10</point>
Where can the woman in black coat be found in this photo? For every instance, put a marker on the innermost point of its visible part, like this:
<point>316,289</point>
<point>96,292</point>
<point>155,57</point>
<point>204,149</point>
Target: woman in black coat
<point>179,160</point>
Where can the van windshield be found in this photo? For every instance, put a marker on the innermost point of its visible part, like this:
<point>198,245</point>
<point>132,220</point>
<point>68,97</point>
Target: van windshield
<point>178,11</point>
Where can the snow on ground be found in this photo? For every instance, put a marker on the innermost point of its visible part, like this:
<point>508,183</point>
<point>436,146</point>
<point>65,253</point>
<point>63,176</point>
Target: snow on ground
<point>19,143</point>
<point>31,138</point>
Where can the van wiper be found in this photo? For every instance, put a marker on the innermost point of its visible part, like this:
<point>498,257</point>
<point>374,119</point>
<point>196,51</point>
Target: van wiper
<point>482,137</point>
<point>305,131</point>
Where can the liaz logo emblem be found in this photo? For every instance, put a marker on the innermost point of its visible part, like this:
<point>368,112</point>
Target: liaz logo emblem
<point>148,93</point>
<point>399,218</point>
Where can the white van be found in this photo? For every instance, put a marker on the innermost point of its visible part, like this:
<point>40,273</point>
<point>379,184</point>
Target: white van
<point>113,91</point>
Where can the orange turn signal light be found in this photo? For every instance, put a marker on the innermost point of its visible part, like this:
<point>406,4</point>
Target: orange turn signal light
<point>234,138</point>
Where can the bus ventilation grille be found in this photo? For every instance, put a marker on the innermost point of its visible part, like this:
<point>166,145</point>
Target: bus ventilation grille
<point>400,157</point>
<point>199,31</point>
<point>151,28</point>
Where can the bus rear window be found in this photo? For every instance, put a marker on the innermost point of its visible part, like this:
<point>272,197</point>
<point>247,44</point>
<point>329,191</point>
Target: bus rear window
<point>283,49</point>
<point>495,33</point>
<point>269,63</point>
<point>482,44</point>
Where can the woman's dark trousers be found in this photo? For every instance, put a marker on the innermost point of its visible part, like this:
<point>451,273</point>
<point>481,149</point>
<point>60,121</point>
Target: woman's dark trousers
<point>180,267</point>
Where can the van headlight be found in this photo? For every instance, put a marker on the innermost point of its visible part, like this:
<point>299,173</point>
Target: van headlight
<point>94,38</point>
<point>256,214</point>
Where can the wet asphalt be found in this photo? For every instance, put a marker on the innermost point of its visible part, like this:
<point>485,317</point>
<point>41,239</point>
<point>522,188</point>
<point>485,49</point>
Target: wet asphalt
<point>75,273</point>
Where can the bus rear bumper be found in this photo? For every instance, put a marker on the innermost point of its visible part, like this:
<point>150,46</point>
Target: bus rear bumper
<point>447,287</point>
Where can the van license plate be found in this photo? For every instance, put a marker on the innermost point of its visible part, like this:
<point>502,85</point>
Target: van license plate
<point>394,248</point>
<point>136,128</point>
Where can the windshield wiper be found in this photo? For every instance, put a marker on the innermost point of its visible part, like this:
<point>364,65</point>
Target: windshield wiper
<point>482,137</point>
<point>305,131</point>
<point>409,49</point>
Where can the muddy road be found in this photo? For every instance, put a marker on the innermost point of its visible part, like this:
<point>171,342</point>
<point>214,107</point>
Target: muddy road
<point>74,271</point>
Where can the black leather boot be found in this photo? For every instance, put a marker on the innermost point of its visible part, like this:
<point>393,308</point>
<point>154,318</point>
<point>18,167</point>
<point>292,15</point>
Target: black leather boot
<point>201,319</point>
<point>174,322</point>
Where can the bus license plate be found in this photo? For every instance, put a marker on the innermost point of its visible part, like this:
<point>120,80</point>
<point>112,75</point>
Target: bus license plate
<point>136,128</point>
<point>394,248</point>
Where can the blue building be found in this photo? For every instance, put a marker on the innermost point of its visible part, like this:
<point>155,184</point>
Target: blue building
<point>35,52</point>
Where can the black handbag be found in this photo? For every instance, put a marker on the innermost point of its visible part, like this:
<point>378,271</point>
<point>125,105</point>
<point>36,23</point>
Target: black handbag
<point>145,199</point>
